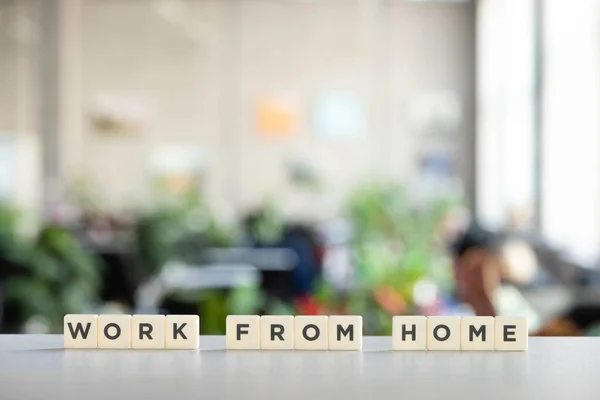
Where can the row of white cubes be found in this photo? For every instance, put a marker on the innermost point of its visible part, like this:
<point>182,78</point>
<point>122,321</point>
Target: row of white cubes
<point>88,331</point>
<point>253,332</point>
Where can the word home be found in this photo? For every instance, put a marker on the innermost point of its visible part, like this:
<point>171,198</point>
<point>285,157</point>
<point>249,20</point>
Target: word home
<point>456,333</point>
<point>86,331</point>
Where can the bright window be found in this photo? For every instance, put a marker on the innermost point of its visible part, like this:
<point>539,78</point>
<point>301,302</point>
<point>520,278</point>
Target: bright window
<point>505,132</point>
<point>571,126</point>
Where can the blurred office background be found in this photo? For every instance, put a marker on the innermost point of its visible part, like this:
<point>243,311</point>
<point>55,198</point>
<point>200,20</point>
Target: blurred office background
<point>372,157</point>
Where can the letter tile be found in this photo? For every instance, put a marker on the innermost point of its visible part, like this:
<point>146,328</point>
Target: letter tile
<point>81,331</point>
<point>243,332</point>
<point>345,332</point>
<point>477,333</point>
<point>409,332</point>
<point>277,332</point>
<point>148,332</point>
<point>310,332</point>
<point>182,332</point>
<point>443,333</point>
<point>511,333</point>
<point>114,331</point>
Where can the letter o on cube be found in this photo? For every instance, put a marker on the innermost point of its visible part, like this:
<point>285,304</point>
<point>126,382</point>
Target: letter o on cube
<point>443,333</point>
<point>311,332</point>
<point>114,331</point>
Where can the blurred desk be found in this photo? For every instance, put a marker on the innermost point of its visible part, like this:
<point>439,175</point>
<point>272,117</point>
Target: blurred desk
<point>36,367</point>
<point>178,276</point>
<point>265,259</point>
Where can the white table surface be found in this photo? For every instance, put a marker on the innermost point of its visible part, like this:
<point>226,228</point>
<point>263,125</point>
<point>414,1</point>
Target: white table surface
<point>37,367</point>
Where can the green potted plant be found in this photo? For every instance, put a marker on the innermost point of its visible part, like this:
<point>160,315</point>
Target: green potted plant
<point>46,277</point>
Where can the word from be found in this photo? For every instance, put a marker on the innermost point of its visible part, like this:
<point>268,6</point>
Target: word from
<point>336,332</point>
<point>84,331</point>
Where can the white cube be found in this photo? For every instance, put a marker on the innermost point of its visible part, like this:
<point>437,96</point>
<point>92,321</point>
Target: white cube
<point>443,333</point>
<point>243,332</point>
<point>277,332</point>
<point>182,332</point>
<point>477,333</point>
<point>409,332</point>
<point>80,331</point>
<point>345,332</point>
<point>310,332</point>
<point>148,332</point>
<point>114,331</point>
<point>511,333</point>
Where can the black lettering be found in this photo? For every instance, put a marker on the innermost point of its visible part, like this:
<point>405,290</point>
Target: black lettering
<point>437,336</point>
<point>277,330</point>
<point>117,331</point>
<point>412,332</point>
<point>179,330</point>
<point>507,333</point>
<point>474,332</point>
<point>240,332</point>
<point>305,332</point>
<point>145,329</point>
<point>349,331</point>
<point>79,329</point>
